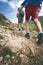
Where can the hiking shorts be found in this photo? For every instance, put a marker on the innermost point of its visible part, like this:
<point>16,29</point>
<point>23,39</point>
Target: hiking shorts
<point>20,20</point>
<point>32,11</point>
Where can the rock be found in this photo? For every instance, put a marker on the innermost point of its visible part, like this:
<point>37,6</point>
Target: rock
<point>7,56</point>
<point>17,59</point>
<point>2,29</point>
<point>2,42</point>
<point>6,63</point>
<point>9,62</point>
<point>24,58</point>
<point>1,58</point>
<point>21,55</point>
<point>26,51</point>
<point>13,57</point>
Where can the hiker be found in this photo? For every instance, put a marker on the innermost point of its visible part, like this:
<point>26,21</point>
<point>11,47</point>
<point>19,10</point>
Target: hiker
<point>32,8</point>
<point>20,16</point>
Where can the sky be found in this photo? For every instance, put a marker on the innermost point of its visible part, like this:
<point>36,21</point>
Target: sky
<point>9,9</point>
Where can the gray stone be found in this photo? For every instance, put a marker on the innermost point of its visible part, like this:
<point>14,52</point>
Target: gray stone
<point>1,58</point>
<point>7,56</point>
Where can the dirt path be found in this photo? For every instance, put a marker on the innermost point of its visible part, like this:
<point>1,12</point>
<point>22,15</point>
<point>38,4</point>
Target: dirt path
<point>18,50</point>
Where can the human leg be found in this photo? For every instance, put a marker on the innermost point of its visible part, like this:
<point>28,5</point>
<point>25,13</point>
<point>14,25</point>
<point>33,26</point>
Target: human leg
<point>28,12</point>
<point>38,24</point>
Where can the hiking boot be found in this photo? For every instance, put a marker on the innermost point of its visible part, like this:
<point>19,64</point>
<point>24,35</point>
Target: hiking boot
<point>40,38</point>
<point>27,35</point>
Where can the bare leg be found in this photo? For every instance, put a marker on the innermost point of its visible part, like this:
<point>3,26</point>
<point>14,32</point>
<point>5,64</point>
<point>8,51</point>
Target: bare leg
<point>40,35</point>
<point>21,26</point>
<point>27,35</point>
<point>36,21</point>
<point>27,26</point>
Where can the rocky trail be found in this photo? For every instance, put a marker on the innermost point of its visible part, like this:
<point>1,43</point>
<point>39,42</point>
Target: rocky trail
<point>15,49</point>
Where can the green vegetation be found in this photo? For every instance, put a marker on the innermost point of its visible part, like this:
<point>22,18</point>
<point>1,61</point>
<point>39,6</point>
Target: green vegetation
<point>1,37</point>
<point>7,50</point>
<point>41,23</point>
<point>2,17</point>
<point>32,26</point>
<point>3,22</point>
<point>7,26</point>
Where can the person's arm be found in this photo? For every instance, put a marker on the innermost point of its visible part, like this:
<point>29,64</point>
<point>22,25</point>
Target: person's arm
<point>17,15</point>
<point>23,4</point>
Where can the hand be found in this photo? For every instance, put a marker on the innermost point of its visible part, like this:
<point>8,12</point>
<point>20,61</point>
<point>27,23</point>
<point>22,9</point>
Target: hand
<point>20,8</point>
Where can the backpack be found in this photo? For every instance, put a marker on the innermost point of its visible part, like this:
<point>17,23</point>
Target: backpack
<point>21,14</point>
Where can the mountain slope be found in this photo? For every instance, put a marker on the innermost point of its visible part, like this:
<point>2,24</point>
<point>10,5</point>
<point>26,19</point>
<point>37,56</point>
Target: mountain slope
<point>3,18</point>
<point>15,49</point>
<point>5,22</point>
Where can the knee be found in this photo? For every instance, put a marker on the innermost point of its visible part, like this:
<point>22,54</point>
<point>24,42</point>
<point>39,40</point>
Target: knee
<point>35,20</point>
